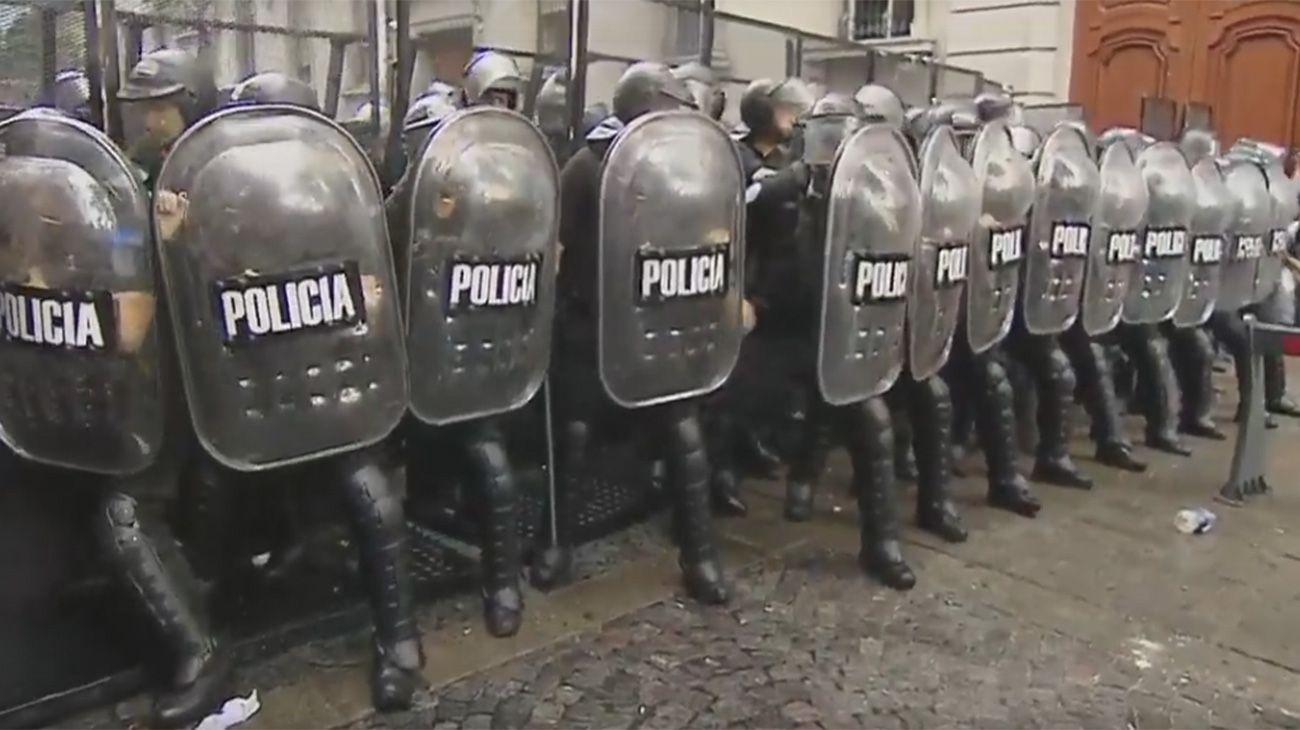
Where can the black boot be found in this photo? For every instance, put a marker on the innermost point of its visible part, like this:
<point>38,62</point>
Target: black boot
<point>1056,389</point>
<point>1192,355</point>
<point>1275,398</point>
<point>552,563</point>
<point>503,604</point>
<point>904,457</point>
<point>806,466</point>
<point>688,470</point>
<point>935,512</point>
<point>759,460</point>
<point>1150,355</point>
<point>995,422</point>
<point>1096,380</point>
<point>167,592</point>
<point>870,438</point>
<point>375,506</point>
<point>725,491</point>
<point>724,486</point>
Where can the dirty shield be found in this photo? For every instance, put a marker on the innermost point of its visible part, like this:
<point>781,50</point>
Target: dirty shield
<point>1116,240</point>
<point>282,289</point>
<point>1207,244</point>
<point>873,225</point>
<point>998,245</point>
<point>1163,263</point>
<point>1249,234</point>
<point>80,382</point>
<point>1286,207</point>
<point>672,223</point>
<point>950,208</point>
<point>480,296</point>
<point>1068,184</point>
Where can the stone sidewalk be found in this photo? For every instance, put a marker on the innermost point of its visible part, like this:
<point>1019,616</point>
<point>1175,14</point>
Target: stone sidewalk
<point>1096,614</point>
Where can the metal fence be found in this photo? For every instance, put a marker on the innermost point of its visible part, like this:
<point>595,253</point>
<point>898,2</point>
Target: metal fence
<point>38,40</point>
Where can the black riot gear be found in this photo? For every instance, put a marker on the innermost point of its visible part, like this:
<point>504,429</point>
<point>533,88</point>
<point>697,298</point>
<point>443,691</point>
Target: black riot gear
<point>171,74</point>
<point>702,83</point>
<point>649,87</point>
<point>552,105</point>
<point>426,113</point>
<point>763,98</point>
<point>492,78</point>
<point>992,105</point>
<point>273,87</point>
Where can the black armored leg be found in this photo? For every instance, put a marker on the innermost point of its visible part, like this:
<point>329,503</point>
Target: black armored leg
<point>374,501</point>
<point>935,512</point>
<point>995,422</point>
<point>1149,353</point>
<point>1055,381</point>
<point>1275,397</point>
<point>498,513</point>
<point>553,562</point>
<point>1097,385</point>
<point>150,564</point>
<point>868,435</point>
<point>205,510</point>
<point>807,463</point>
<point>1230,331</point>
<point>688,476</point>
<point>900,411</point>
<point>724,485</point>
<point>1192,355</point>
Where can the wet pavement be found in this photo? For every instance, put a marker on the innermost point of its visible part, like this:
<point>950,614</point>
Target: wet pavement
<point>1097,614</point>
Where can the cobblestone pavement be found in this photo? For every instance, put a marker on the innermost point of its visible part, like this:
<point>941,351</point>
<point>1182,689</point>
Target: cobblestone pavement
<point>1096,614</point>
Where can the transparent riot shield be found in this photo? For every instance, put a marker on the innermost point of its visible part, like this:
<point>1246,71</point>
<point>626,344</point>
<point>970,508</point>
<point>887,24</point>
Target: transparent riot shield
<point>1060,230</point>
<point>80,385</point>
<point>481,291</point>
<point>1114,251</point>
<point>1248,234</point>
<point>1210,222</point>
<point>950,208</point>
<point>271,234</point>
<point>997,247</point>
<point>672,223</point>
<point>872,228</point>
<point>1163,263</point>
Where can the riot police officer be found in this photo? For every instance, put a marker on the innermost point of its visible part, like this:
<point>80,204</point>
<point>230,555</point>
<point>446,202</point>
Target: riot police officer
<point>317,405</point>
<point>90,393</point>
<point>977,371</point>
<point>492,79</point>
<point>613,327</point>
<point>842,391</point>
<point>552,112</point>
<point>447,238</point>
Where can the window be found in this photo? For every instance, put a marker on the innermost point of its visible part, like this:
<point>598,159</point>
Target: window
<point>686,41</point>
<point>882,18</point>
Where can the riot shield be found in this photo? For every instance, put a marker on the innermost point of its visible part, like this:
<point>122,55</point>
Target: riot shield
<point>998,244</point>
<point>872,227</point>
<point>950,208</point>
<point>1210,221</point>
<point>1286,207</point>
<point>274,249</point>
<point>1113,252</point>
<point>672,224</point>
<point>1247,235</point>
<point>1163,260</point>
<point>79,377</point>
<point>1059,231</point>
<point>480,293</point>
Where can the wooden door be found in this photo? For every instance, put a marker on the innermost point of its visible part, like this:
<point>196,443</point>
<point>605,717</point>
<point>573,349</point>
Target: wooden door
<point>1241,57</point>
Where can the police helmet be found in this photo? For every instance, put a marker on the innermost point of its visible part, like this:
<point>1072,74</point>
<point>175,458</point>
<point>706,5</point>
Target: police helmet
<point>273,87</point>
<point>702,83</point>
<point>646,87</point>
<point>489,71</point>
<point>881,104</point>
<point>759,103</point>
<point>170,72</point>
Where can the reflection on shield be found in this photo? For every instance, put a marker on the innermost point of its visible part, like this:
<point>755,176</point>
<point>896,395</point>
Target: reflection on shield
<point>1163,263</point>
<point>1247,234</point>
<point>1208,240</point>
<point>481,291</point>
<point>1286,206</point>
<point>1060,229</point>
<point>1115,248</point>
<point>80,387</point>
<point>282,289</point>
<point>950,208</point>
<point>873,222</point>
<point>672,218</point>
<point>997,247</point>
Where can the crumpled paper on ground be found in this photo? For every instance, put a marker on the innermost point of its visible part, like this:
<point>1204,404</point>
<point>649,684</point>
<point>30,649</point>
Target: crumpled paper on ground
<point>234,711</point>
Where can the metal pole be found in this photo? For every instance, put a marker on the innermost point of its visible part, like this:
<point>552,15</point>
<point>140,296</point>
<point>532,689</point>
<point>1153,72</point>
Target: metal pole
<point>112,70</point>
<point>578,20</point>
<point>334,77</point>
<point>372,35</point>
<point>552,520</point>
<point>94,69</point>
<point>401,85</point>
<point>706,31</point>
<point>49,51</point>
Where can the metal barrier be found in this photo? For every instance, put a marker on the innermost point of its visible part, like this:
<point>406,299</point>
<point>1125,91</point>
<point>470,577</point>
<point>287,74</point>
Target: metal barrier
<point>1247,475</point>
